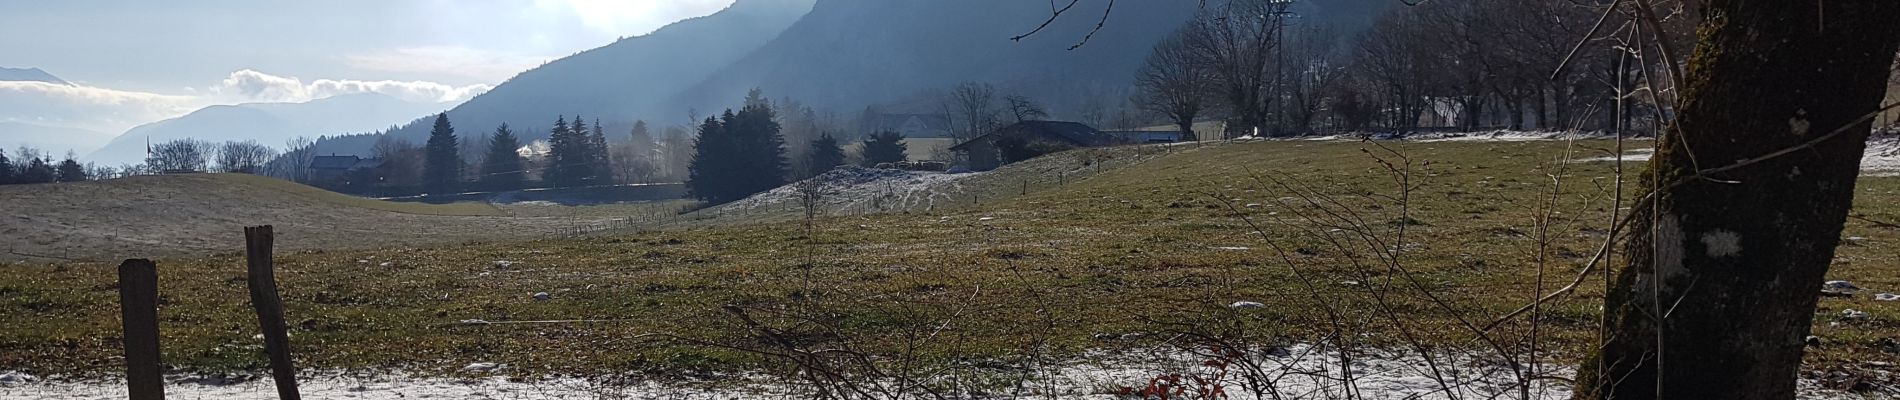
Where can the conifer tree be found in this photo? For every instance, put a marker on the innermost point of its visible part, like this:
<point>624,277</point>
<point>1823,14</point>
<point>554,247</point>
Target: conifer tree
<point>71,171</point>
<point>6,169</point>
<point>738,154</point>
<point>580,158</point>
<point>564,153</point>
<point>600,162</point>
<point>37,171</point>
<point>825,155</point>
<point>502,167</point>
<point>884,147</point>
<point>442,168</point>
<point>642,137</point>
<point>709,172</point>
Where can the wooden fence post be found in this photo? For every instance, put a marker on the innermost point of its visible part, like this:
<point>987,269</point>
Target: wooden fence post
<point>270,309</point>
<point>138,302</point>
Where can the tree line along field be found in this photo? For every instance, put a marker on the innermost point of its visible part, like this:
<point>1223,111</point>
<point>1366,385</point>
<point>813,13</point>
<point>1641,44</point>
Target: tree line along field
<point>1146,248</point>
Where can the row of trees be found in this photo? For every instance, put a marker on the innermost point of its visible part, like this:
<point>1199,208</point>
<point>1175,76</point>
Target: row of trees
<point>191,155</point>
<point>38,168</point>
<point>183,155</point>
<point>738,154</point>
<point>1466,65</point>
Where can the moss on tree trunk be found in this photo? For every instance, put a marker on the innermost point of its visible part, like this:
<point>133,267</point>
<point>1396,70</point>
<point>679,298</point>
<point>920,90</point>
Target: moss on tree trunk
<point>1722,276</point>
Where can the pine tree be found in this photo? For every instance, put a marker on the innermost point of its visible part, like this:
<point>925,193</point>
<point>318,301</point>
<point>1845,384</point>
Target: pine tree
<point>442,170</point>
<point>884,147</point>
<point>739,154</point>
<point>563,154</point>
<point>6,169</point>
<point>601,163</point>
<point>710,173</point>
<point>642,137</point>
<point>580,158</point>
<point>71,171</point>
<point>37,171</point>
<point>502,167</point>
<point>825,155</point>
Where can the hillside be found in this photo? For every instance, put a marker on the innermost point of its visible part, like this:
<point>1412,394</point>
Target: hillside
<point>268,123</point>
<point>175,215</point>
<point>847,54</point>
<point>840,56</point>
<point>619,82</point>
<point>1133,243</point>
<point>29,75</point>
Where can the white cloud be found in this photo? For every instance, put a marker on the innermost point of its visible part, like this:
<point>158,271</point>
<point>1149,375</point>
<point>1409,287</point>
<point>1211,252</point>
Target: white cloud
<point>251,85</point>
<point>87,107</point>
<point>112,111</point>
<point>484,65</point>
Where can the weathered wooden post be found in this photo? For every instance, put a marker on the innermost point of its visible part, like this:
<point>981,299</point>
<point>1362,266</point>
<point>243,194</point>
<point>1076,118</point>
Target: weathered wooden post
<point>138,302</point>
<point>270,309</point>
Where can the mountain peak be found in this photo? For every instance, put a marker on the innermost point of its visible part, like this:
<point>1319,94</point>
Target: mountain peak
<point>30,75</point>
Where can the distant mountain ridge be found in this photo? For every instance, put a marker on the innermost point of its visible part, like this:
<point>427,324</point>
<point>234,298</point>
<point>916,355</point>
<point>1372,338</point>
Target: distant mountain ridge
<point>30,75</point>
<point>52,139</point>
<point>268,123</point>
<point>618,82</point>
<point>842,55</point>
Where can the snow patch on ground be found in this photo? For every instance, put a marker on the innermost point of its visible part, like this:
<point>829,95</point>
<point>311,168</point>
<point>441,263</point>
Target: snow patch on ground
<point>1882,157</point>
<point>858,188</point>
<point>1297,371</point>
<point>1506,136</point>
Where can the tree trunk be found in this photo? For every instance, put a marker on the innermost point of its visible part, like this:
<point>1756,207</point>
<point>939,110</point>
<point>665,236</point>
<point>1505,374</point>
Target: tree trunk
<point>1733,264</point>
<point>1541,96</point>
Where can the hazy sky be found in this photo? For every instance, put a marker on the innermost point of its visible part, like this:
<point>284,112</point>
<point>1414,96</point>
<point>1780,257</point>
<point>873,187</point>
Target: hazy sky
<point>144,60</point>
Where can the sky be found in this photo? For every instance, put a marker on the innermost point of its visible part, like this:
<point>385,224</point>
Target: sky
<point>138,61</point>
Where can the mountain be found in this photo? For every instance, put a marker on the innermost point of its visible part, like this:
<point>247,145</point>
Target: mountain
<point>268,123</point>
<point>51,139</point>
<point>618,81</point>
<point>843,55</point>
<point>30,75</point>
<point>847,54</point>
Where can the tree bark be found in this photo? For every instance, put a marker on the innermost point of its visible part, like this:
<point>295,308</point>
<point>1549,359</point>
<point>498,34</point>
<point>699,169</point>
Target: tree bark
<point>1723,273</point>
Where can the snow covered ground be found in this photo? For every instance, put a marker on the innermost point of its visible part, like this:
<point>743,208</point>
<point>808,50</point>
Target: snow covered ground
<point>1882,157</point>
<point>864,189</point>
<point>1298,371</point>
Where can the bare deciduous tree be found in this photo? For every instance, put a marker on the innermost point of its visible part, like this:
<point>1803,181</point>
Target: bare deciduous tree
<point>1024,108</point>
<point>1238,42</point>
<point>1174,83</point>
<point>973,110</point>
<point>246,157</point>
<point>183,155</point>
<point>294,164</point>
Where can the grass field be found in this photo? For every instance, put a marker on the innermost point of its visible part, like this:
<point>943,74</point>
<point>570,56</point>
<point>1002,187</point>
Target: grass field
<point>1153,244</point>
<point>173,216</point>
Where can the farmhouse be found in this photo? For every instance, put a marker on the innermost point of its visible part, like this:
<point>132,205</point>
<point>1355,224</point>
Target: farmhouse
<point>1028,139</point>
<point>335,168</point>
